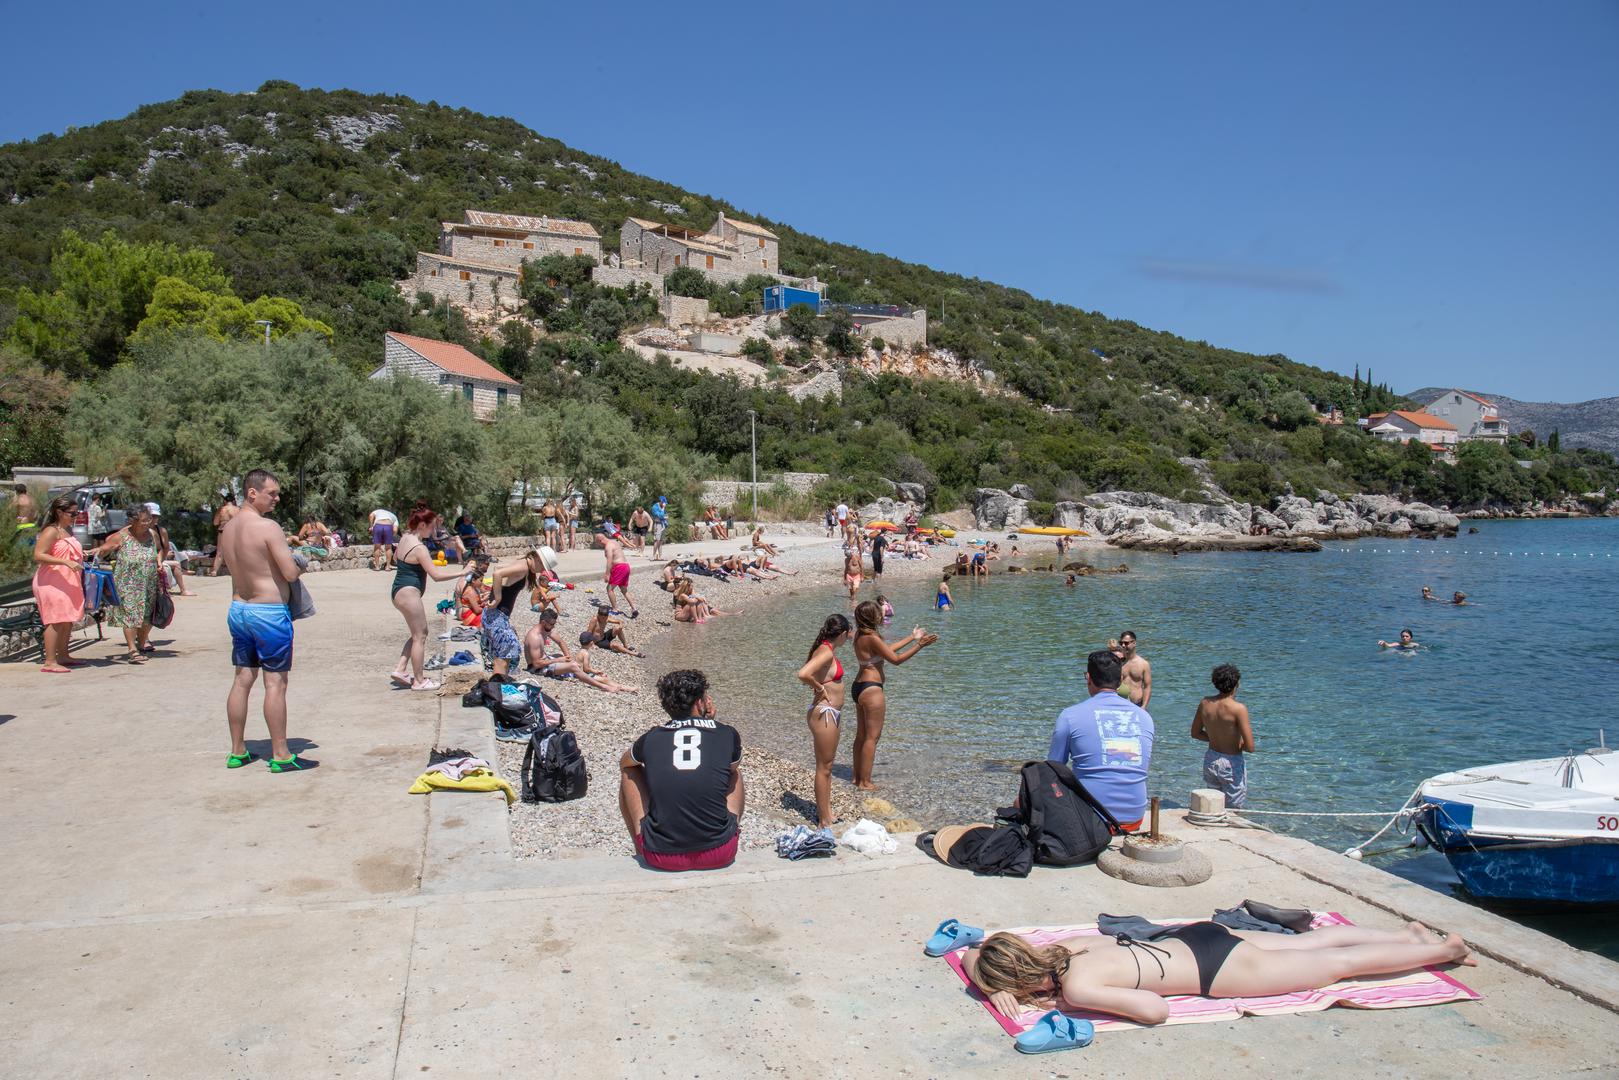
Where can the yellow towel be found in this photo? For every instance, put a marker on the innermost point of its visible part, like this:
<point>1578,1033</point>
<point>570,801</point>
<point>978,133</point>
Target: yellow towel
<point>473,780</point>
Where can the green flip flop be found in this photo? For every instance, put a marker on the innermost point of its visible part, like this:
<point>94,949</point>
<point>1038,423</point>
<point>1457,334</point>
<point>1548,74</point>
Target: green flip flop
<point>279,765</point>
<point>236,761</point>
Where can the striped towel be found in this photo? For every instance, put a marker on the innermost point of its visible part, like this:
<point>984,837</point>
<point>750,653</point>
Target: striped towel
<point>1426,987</point>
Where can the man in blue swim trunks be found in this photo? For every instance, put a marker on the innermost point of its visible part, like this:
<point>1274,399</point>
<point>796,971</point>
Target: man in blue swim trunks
<point>253,549</point>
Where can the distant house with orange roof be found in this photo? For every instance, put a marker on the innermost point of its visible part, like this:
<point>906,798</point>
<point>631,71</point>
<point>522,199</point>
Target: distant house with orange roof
<point>452,369</point>
<point>1402,426</point>
<point>1474,417</point>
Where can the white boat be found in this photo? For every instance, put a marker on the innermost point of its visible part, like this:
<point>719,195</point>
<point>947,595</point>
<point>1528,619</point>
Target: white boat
<point>1543,831</point>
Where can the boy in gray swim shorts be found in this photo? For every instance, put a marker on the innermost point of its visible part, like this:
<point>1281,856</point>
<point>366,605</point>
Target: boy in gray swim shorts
<point>1222,722</point>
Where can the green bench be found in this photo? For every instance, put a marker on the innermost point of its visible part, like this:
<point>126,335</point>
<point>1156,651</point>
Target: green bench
<point>23,619</point>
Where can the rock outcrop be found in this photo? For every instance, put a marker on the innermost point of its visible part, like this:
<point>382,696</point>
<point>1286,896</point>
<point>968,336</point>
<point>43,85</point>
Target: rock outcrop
<point>907,491</point>
<point>1135,519</point>
<point>997,509</point>
<point>886,509</point>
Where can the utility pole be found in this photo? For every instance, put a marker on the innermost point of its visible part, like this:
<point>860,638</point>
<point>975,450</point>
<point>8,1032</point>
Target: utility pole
<point>266,323</point>
<point>753,449</point>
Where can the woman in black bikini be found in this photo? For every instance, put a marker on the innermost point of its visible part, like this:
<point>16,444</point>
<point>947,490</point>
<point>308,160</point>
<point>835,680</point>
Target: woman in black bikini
<point>412,567</point>
<point>870,702</point>
<point>1130,978</point>
<point>823,674</point>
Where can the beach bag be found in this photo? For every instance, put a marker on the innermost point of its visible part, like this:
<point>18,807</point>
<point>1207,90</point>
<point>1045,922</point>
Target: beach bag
<point>1064,823</point>
<point>1002,852</point>
<point>162,605</point>
<point>99,591</point>
<point>553,767</point>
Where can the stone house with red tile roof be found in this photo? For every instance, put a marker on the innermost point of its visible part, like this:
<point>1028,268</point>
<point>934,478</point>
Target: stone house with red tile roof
<point>510,239</point>
<point>451,368</point>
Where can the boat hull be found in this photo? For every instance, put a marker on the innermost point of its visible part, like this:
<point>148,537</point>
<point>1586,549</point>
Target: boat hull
<point>1582,871</point>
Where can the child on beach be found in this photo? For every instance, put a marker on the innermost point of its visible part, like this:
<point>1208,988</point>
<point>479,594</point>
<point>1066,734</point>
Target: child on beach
<point>1222,722</point>
<point>941,602</point>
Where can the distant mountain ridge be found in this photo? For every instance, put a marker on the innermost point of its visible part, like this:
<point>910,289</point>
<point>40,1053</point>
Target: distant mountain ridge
<point>1593,423</point>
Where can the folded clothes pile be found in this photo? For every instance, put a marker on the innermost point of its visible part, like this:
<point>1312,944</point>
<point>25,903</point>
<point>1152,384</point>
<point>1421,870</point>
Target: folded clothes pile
<point>805,842</point>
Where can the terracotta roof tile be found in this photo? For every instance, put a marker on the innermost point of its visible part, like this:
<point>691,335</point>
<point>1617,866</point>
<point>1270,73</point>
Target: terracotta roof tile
<point>1427,420</point>
<point>490,219</point>
<point>453,358</point>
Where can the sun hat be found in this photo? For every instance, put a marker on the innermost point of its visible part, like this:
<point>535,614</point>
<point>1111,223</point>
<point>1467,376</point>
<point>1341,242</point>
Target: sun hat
<point>947,837</point>
<point>153,508</point>
<point>548,558</point>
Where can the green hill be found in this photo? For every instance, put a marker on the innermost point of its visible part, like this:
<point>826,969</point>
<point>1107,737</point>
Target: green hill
<point>324,197</point>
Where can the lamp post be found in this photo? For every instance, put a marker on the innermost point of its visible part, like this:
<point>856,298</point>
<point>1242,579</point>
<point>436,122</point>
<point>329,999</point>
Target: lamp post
<point>753,450</point>
<point>266,323</point>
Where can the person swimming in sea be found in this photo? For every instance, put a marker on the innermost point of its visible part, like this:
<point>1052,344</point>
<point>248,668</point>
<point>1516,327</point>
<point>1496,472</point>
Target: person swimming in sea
<point>1427,593</point>
<point>1071,580</point>
<point>942,601</point>
<point>1459,599</point>
<point>1407,642</point>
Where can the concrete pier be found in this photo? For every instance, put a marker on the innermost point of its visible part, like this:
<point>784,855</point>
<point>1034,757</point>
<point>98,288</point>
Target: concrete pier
<point>164,917</point>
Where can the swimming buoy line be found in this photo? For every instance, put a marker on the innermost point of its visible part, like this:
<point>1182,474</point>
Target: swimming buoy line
<point>1470,551</point>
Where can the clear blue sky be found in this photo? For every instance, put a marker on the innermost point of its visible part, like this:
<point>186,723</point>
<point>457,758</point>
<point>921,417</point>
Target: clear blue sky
<point>1428,189</point>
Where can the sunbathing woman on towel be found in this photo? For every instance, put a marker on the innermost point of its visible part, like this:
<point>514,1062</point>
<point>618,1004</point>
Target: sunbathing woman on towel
<point>1130,978</point>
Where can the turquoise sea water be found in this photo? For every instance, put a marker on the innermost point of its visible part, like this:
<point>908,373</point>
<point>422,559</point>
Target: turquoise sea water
<point>1530,668</point>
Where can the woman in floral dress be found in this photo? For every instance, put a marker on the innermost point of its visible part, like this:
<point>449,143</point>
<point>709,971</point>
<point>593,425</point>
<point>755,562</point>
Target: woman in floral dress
<point>135,577</point>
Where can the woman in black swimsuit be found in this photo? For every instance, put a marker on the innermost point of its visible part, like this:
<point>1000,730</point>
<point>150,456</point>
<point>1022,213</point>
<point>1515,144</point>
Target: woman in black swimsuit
<point>870,702</point>
<point>412,567</point>
<point>823,674</point>
<point>1130,978</point>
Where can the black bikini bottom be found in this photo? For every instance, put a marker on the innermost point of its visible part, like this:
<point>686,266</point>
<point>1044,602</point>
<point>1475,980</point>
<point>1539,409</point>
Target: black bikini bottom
<point>861,687</point>
<point>1210,943</point>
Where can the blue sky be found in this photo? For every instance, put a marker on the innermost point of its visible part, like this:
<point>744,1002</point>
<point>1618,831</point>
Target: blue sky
<point>1425,189</point>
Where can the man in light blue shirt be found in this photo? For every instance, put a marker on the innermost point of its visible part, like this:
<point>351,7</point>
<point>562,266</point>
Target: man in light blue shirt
<point>1107,741</point>
<point>660,525</point>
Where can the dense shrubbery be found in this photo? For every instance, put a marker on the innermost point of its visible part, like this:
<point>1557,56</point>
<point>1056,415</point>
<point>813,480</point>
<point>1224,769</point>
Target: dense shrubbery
<point>288,211</point>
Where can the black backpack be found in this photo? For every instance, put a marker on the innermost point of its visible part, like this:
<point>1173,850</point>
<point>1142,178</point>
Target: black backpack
<point>1064,823</point>
<point>527,711</point>
<point>553,768</point>
<point>1002,852</point>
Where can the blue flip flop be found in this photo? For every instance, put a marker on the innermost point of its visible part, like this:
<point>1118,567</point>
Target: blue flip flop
<point>1054,1031</point>
<point>950,936</point>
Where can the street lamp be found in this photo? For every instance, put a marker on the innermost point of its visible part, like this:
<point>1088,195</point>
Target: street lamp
<point>753,449</point>
<point>266,323</point>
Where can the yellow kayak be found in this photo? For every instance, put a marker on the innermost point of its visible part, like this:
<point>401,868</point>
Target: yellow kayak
<point>1051,530</point>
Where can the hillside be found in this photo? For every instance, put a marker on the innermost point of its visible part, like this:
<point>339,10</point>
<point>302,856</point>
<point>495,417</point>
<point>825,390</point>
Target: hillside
<point>1593,423</point>
<point>322,199</point>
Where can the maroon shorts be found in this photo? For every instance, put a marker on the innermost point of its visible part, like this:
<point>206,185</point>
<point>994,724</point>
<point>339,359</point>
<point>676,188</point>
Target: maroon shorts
<point>619,576</point>
<point>714,858</point>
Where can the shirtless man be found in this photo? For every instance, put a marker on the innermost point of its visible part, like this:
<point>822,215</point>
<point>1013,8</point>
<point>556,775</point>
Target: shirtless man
<point>538,658</point>
<point>640,525</point>
<point>254,551</point>
<point>1135,680</point>
<point>1222,722</point>
<point>618,571</point>
<point>222,517</point>
<point>23,504</point>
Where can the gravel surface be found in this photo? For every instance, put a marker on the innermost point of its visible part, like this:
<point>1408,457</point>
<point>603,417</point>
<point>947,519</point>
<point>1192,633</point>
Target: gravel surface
<point>780,793</point>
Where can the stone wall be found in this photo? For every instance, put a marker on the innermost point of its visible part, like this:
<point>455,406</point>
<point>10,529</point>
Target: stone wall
<point>463,284</point>
<point>901,332</point>
<point>621,277</point>
<point>721,344</point>
<point>681,311</point>
<point>400,360</point>
<point>825,384</point>
<point>739,493</point>
<point>512,251</point>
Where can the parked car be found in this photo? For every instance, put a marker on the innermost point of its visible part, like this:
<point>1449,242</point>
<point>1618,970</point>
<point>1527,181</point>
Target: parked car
<point>114,497</point>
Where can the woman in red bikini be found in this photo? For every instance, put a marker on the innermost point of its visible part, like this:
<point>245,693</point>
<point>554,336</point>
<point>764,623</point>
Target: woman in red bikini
<point>823,674</point>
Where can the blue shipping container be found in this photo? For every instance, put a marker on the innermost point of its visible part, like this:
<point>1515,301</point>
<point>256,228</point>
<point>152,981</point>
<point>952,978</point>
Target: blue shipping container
<point>782,297</point>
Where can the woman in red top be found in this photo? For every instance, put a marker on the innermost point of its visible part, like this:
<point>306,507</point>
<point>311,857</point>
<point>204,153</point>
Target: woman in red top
<point>823,674</point>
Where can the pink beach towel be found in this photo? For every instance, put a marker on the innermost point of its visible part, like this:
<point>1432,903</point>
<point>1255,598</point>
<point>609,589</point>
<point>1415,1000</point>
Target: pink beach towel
<point>1426,987</point>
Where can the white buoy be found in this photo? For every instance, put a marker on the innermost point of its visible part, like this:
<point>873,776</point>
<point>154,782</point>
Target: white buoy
<point>1353,853</point>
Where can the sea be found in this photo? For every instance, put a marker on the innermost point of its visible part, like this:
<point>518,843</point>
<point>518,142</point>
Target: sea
<point>1528,668</point>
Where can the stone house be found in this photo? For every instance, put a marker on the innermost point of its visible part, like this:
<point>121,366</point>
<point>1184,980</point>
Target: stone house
<point>1402,426</point>
<point>738,248</point>
<point>510,239</point>
<point>451,368</point>
<point>466,283</point>
<point>661,247</point>
<point>1474,417</point>
<point>756,247</point>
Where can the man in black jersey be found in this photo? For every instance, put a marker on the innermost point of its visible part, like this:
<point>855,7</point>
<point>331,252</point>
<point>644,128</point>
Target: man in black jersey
<point>681,786</point>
